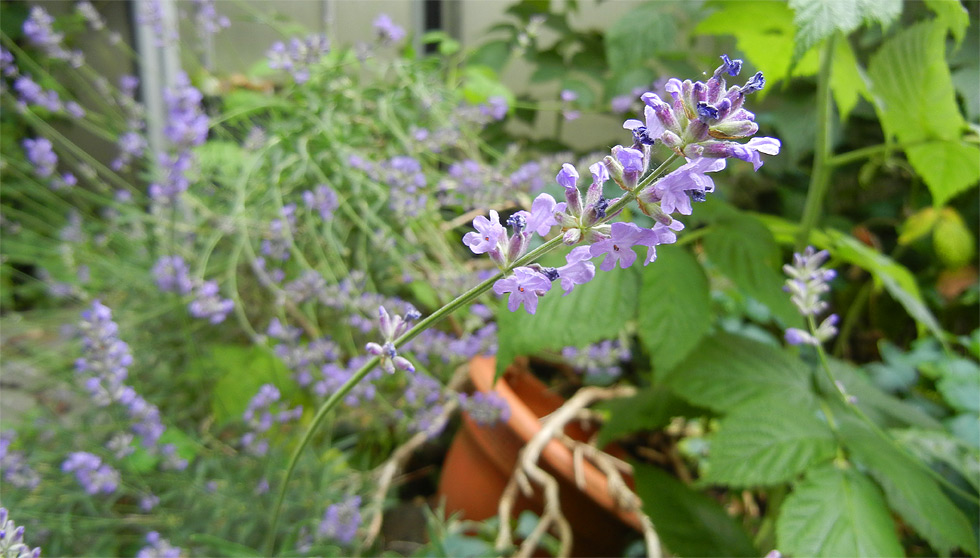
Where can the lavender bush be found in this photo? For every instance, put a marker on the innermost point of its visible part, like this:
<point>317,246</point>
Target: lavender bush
<point>257,303</point>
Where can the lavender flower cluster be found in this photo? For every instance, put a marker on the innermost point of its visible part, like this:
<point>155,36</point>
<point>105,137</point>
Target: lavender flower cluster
<point>12,543</point>
<point>807,283</point>
<point>171,274</point>
<point>14,466</point>
<point>486,409</point>
<point>699,124</point>
<point>187,127</point>
<point>158,547</point>
<point>94,475</point>
<point>340,521</point>
<point>599,361</point>
<point>262,412</point>
<point>298,56</point>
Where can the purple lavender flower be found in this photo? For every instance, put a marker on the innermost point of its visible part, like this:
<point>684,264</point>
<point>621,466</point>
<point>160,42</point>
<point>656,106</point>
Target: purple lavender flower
<point>578,270</point>
<point>94,476</point>
<point>7,65</point>
<point>807,283</point>
<point>617,247</point>
<point>488,235</point>
<point>340,521</point>
<point>186,125</point>
<point>600,361</point>
<point>158,547</point>
<point>621,104</point>
<point>14,465</point>
<point>151,15</point>
<point>660,234</point>
<point>209,21</point>
<point>12,543</point>
<point>91,16</point>
<point>107,358</point>
<point>392,327</point>
<point>525,285</point>
<point>148,502</point>
<point>541,218</point>
<point>39,32</point>
<point>41,154</point>
<point>675,191</point>
<point>486,409</point>
<point>748,152</point>
<point>262,412</point>
<point>298,56</point>
<point>388,32</point>
<point>209,305</point>
<point>172,275</point>
<point>322,199</point>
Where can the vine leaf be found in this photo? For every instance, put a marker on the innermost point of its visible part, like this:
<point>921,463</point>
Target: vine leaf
<point>764,445</point>
<point>674,306</point>
<point>836,512</point>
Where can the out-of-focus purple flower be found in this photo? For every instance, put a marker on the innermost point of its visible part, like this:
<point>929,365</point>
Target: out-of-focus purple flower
<point>599,361</point>
<point>807,283</point>
<point>39,32</point>
<point>496,107</point>
<point>209,305</point>
<point>387,30</point>
<point>151,15</point>
<point>91,473</point>
<point>12,543</point>
<point>106,361</point>
<point>40,153</point>
<point>525,285</point>
<point>676,190</point>
<point>91,16</point>
<point>209,21</point>
<point>578,270</point>
<point>31,93</point>
<point>187,125</point>
<point>486,409</point>
<point>172,275</point>
<point>298,56</point>
<point>7,65</point>
<point>14,466</point>
<point>262,412</point>
<point>618,247</point>
<point>322,199</point>
<point>340,521</point>
<point>621,104</point>
<point>148,502</point>
<point>158,547</point>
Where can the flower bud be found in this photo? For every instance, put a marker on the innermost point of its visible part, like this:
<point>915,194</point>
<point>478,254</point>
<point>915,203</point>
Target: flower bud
<point>733,129</point>
<point>572,236</point>
<point>615,169</point>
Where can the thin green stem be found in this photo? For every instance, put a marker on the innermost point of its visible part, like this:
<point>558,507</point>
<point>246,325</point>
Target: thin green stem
<point>823,150</point>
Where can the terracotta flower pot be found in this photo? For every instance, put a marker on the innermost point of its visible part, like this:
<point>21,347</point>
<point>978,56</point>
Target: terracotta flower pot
<point>481,460</point>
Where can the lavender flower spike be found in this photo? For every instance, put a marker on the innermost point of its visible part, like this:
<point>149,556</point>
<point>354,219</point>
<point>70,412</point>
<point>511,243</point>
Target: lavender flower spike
<point>524,286</point>
<point>12,543</point>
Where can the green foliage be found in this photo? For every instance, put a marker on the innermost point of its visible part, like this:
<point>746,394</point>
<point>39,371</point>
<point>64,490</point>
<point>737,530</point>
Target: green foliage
<point>594,311</point>
<point>674,306</point>
<point>913,92</point>
<point>846,82</point>
<point>649,409</point>
<point>624,52</point>
<point>816,21</point>
<point>767,444</point>
<point>727,372</point>
<point>909,489</point>
<point>952,14</point>
<point>239,372</point>
<point>688,522</point>
<point>836,512</point>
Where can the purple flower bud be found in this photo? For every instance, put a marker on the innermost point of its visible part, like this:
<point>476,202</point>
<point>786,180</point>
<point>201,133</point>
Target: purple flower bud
<point>755,83</point>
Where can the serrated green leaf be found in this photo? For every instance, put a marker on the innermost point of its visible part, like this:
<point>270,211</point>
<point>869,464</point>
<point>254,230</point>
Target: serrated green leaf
<point>836,512</point>
<point>727,371</point>
<point>744,250</point>
<point>947,167</point>
<point>649,409</point>
<point>878,405</point>
<point>674,307</point>
<point>764,33</point>
<point>816,20</point>
<point>688,522</point>
<point>896,278</point>
<point>596,310</point>
<point>913,91</point>
<point>952,14</point>
<point>640,36</point>
<point>909,489</point>
<point>768,444</point>
<point>846,81</point>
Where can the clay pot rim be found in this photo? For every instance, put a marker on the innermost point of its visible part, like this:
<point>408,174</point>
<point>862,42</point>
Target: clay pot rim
<point>525,423</point>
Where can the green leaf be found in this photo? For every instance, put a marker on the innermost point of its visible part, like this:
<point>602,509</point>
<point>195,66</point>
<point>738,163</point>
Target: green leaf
<point>594,311</point>
<point>744,250</point>
<point>726,371</point>
<point>937,446</point>
<point>960,384</point>
<point>222,547</point>
<point>893,276</point>
<point>481,82</point>
<point>909,489</point>
<point>836,512</point>
<point>878,405</point>
<point>764,33</point>
<point>674,306</point>
<point>688,522</point>
<point>913,91</point>
<point>640,36</point>
<point>768,444</point>
<point>816,20</point>
<point>242,370</point>
<point>548,65</point>
<point>846,81</point>
<point>493,54</point>
<point>947,167</point>
<point>952,14</point>
<point>649,409</point>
